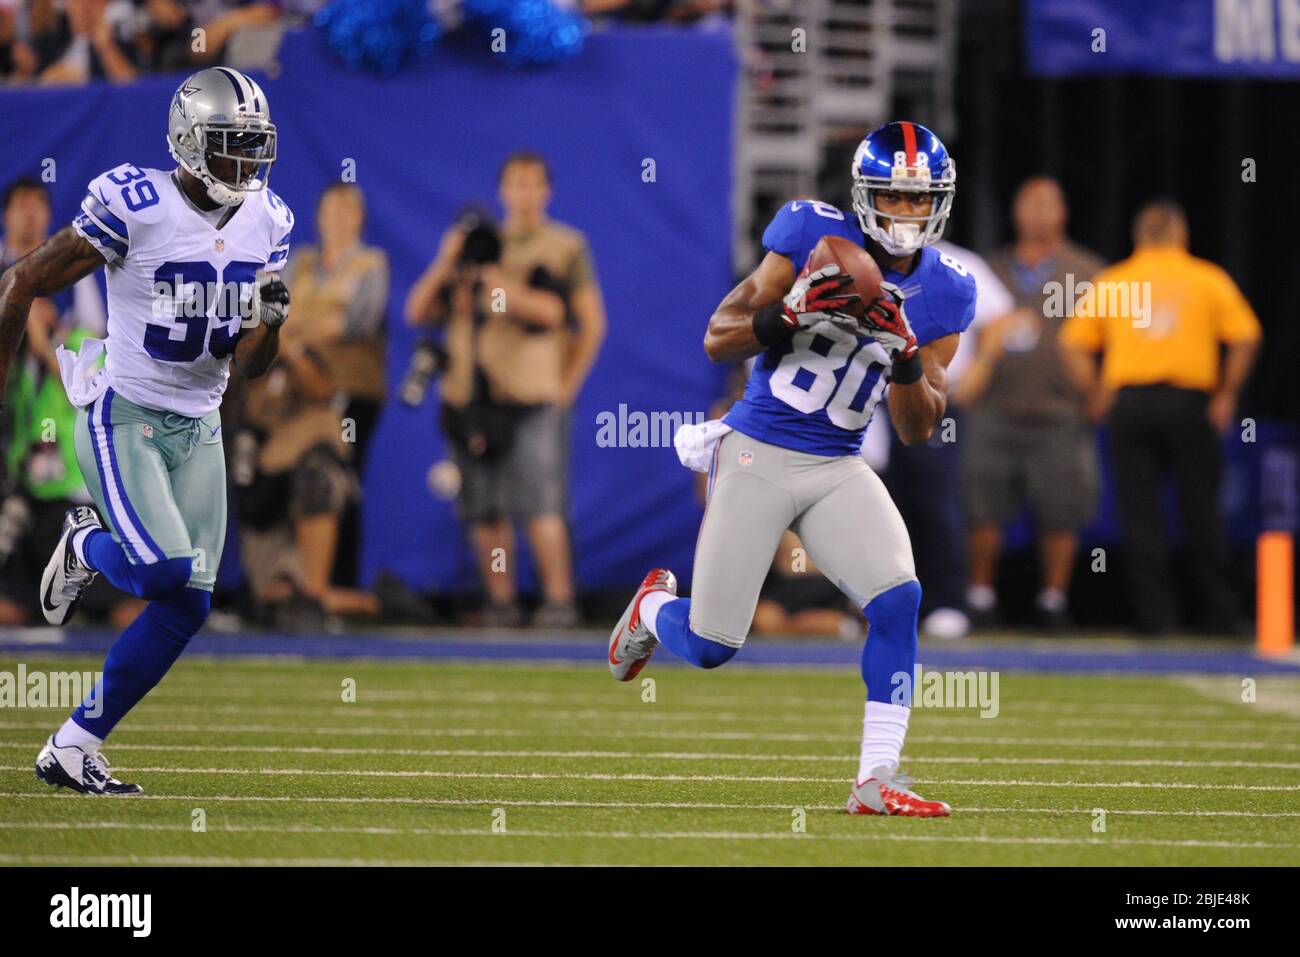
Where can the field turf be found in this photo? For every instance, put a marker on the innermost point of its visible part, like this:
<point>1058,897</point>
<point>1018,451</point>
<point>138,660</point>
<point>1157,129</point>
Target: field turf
<point>532,763</point>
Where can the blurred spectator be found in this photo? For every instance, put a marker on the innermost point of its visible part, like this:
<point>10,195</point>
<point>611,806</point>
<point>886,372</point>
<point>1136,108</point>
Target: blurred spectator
<point>924,479</point>
<point>164,38</point>
<point>92,39</point>
<point>524,324</point>
<point>1159,319</point>
<point>331,357</point>
<point>221,19</point>
<point>1027,439</point>
<point>41,478</point>
<point>17,58</point>
<point>72,41</point>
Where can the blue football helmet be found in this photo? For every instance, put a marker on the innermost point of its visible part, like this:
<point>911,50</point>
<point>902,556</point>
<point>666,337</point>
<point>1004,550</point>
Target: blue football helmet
<point>903,156</point>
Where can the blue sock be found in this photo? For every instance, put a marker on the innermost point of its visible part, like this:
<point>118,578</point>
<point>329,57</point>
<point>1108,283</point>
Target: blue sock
<point>674,631</point>
<point>891,644</point>
<point>144,581</point>
<point>141,656</point>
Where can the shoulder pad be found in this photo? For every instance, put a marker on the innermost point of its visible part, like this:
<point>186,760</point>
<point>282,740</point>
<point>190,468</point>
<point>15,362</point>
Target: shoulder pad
<point>798,225</point>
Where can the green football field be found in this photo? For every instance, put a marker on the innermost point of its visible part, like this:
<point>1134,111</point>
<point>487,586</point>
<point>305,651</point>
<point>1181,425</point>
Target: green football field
<point>262,761</point>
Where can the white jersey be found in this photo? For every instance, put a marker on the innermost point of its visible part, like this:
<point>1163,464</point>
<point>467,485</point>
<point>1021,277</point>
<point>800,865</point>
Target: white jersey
<point>176,283</point>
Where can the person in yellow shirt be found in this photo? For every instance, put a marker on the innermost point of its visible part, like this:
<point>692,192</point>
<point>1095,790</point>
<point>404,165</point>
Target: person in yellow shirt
<point>1160,320</point>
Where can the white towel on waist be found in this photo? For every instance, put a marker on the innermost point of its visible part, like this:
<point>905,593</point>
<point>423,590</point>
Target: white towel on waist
<point>83,378</point>
<point>695,443</point>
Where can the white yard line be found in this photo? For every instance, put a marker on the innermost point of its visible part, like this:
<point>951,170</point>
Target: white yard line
<point>1272,696</point>
<point>663,713</point>
<point>736,778</point>
<point>681,756</point>
<point>850,739</point>
<point>620,805</point>
<point>330,695</point>
<point>699,836</point>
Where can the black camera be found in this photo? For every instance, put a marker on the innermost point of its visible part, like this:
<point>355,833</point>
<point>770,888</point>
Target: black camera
<point>482,238</point>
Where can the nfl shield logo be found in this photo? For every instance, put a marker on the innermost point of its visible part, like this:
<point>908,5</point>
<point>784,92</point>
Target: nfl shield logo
<point>221,245</point>
<point>147,429</point>
<point>746,459</point>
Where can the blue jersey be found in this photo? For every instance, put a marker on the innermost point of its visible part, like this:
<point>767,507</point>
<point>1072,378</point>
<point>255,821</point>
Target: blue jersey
<point>816,392</point>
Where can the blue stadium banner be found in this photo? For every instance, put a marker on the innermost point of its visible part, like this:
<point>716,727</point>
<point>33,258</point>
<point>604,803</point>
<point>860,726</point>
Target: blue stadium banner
<point>1218,38</point>
<point>661,245</point>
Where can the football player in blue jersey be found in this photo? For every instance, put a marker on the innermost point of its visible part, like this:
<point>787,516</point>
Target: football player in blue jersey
<point>787,454</point>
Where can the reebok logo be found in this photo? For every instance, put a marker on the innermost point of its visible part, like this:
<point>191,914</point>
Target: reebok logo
<point>134,911</point>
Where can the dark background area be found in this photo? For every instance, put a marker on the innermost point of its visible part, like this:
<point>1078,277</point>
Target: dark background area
<point>1117,141</point>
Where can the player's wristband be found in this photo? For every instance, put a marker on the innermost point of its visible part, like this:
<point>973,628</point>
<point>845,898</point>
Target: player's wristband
<point>770,327</point>
<point>906,371</point>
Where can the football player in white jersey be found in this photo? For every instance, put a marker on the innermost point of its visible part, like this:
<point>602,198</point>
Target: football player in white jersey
<point>192,256</point>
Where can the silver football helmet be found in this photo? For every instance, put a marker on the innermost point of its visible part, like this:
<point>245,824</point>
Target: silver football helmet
<point>219,130</point>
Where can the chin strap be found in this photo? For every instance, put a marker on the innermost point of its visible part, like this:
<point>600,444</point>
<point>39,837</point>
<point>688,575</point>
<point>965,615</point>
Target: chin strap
<point>224,196</point>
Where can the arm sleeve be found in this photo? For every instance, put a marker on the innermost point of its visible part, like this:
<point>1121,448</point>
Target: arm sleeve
<point>103,220</point>
<point>283,228</point>
<point>1234,320</point>
<point>279,255</point>
<point>968,308</point>
<point>784,234</point>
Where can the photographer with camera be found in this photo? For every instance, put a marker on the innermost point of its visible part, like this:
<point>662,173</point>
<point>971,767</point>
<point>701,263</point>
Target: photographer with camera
<point>524,322</point>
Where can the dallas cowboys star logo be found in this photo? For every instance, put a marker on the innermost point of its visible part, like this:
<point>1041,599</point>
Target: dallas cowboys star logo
<point>184,93</point>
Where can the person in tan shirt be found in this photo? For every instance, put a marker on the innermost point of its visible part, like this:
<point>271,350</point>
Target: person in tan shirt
<point>528,327</point>
<point>314,411</point>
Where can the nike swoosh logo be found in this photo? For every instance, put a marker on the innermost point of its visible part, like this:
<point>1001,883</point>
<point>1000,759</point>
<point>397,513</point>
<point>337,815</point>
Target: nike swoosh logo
<point>214,431</point>
<point>45,598</point>
<point>612,645</point>
<point>796,206</point>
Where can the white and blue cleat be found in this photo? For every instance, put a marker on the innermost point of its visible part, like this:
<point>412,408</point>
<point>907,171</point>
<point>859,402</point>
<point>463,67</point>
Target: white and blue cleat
<point>66,576</point>
<point>81,771</point>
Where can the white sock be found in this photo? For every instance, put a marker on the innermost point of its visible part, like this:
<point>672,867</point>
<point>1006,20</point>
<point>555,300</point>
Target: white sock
<point>883,728</point>
<point>650,606</point>
<point>78,545</point>
<point>73,735</point>
<point>1051,599</point>
<point>981,597</point>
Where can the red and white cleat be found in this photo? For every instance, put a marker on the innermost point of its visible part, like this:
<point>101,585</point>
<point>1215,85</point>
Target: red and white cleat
<point>889,792</point>
<point>631,643</point>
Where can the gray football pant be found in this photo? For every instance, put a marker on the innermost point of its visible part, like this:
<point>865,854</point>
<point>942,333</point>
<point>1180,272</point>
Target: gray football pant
<point>837,506</point>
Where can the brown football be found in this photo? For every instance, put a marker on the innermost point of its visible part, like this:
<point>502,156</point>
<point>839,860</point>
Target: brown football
<point>855,261</point>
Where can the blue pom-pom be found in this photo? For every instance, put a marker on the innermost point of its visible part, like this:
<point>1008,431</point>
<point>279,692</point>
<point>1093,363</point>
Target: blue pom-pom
<point>537,32</point>
<point>379,36</point>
